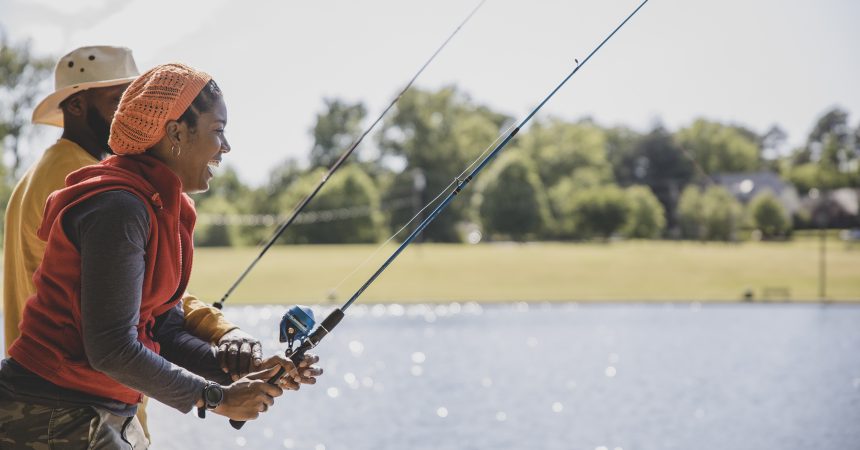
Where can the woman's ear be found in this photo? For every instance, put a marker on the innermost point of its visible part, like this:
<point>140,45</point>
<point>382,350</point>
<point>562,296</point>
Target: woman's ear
<point>175,132</point>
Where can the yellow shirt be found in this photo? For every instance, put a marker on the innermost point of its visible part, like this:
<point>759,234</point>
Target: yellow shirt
<point>23,250</point>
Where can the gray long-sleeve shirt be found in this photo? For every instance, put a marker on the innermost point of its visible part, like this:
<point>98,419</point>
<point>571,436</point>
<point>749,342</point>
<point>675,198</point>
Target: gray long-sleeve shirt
<point>111,231</point>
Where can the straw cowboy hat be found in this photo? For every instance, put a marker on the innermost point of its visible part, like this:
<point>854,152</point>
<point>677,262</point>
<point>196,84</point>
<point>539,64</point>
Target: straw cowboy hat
<point>85,68</point>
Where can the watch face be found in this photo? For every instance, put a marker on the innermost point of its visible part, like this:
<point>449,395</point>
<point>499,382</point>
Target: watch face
<point>213,395</point>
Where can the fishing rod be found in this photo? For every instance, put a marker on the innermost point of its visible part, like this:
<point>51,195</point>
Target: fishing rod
<point>339,162</point>
<point>298,325</point>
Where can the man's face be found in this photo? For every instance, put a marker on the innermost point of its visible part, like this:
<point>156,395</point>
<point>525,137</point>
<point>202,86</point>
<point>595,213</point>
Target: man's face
<point>101,106</point>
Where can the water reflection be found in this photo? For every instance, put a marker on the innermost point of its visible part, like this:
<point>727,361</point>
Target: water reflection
<point>356,348</point>
<point>502,375</point>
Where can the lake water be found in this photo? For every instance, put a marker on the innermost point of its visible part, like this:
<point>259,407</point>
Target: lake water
<point>561,376</point>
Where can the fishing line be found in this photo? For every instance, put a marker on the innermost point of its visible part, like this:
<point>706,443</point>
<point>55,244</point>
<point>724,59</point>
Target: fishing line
<point>343,157</point>
<point>298,325</point>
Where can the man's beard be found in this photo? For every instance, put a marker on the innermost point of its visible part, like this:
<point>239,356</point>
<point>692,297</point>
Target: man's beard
<point>100,128</point>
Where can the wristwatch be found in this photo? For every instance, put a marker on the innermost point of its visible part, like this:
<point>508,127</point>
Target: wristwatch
<point>213,395</point>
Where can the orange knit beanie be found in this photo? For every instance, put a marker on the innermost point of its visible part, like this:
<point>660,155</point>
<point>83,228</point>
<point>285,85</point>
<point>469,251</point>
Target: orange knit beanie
<point>159,95</point>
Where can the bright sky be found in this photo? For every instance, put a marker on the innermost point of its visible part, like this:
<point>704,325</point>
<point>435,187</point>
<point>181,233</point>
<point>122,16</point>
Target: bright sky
<point>754,63</point>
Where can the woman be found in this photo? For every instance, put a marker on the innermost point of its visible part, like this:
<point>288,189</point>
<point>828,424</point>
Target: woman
<point>118,259</point>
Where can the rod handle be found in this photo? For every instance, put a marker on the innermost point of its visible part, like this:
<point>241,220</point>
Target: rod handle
<point>296,357</point>
<point>238,424</point>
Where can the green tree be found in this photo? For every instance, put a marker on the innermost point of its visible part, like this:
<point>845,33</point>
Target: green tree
<point>346,210</point>
<point>714,215</point>
<point>646,218</point>
<point>213,228</point>
<point>829,160</point>
<point>720,148</point>
<point>439,133</point>
<point>228,196</point>
<point>597,211</point>
<point>282,176</point>
<point>512,200</point>
<point>558,148</point>
<point>723,214</point>
<point>21,77</point>
<point>655,160</point>
<point>690,214</point>
<point>768,215</point>
<point>622,151</point>
<point>336,128</point>
<point>773,143</point>
<point>833,123</point>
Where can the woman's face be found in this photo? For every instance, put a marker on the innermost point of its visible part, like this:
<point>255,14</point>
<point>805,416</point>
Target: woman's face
<point>201,155</point>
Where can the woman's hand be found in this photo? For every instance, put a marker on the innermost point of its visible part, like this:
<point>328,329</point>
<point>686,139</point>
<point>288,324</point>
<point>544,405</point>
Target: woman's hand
<point>246,398</point>
<point>306,373</point>
<point>294,378</point>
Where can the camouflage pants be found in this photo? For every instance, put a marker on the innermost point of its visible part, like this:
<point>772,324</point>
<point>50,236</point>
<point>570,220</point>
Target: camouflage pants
<point>37,427</point>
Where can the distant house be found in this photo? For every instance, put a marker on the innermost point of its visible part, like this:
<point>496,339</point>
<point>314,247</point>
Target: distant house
<point>746,185</point>
<point>840,208</point>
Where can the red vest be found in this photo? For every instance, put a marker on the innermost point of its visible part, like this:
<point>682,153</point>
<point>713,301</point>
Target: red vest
<point>51,344</point>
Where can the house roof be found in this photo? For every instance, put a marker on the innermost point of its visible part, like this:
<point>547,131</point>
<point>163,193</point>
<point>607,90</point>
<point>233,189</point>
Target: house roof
<point>746,185</point>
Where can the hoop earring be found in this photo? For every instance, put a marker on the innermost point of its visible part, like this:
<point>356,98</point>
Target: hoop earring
<point>176,150</point>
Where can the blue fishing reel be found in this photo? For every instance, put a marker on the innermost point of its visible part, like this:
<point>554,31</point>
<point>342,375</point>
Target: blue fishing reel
<point>296,325</point>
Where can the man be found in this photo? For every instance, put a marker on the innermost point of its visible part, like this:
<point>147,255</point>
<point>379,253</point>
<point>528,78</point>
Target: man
<point>89,83</point>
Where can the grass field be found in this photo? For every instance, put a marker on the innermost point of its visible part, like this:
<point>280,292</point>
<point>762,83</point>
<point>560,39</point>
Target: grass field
<point>618,271</point>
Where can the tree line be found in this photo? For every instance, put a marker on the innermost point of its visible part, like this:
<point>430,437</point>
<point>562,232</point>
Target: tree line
<point>558,179</point>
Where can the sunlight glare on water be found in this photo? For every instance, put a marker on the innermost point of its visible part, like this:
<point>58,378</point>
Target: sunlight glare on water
<point>356,348</point>
<point>608,369</point>
<point>367,382</point>
<point>351,380</point>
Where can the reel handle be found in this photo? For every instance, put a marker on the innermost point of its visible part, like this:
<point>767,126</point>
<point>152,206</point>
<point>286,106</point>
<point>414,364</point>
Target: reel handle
<point>296,357</point>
